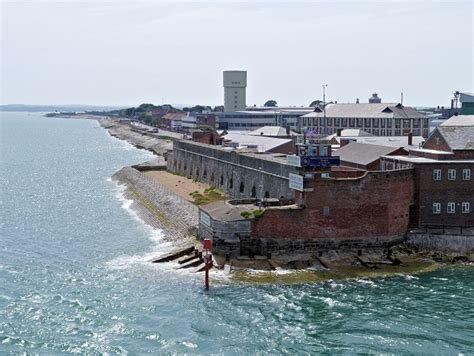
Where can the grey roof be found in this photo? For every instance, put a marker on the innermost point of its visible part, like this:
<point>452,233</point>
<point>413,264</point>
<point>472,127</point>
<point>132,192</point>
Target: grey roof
<point>458,137</point>
<point>390,141</point>
<point>371,110</point>
<point>363,154</point>
<point>350,133</point>
<point>263,143</point>
<point>459,120</point>
<point>270,131</point>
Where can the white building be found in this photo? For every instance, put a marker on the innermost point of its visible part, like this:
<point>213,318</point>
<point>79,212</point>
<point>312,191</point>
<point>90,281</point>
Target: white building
<point>235,83</point>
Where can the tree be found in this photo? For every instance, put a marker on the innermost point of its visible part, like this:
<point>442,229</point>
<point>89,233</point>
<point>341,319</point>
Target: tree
<point>270,103</point>
<point>315,103</point>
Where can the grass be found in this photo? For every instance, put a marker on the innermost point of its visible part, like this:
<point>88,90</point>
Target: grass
<point>209,195</point>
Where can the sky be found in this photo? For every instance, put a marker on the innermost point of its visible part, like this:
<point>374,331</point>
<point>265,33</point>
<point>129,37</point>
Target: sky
<point>125,53</point>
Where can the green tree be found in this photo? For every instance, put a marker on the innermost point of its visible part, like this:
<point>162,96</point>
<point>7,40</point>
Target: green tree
<point>270,103</point>
<point>315,103</point>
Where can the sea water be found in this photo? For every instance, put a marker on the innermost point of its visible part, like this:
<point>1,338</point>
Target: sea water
<point>75,276</point>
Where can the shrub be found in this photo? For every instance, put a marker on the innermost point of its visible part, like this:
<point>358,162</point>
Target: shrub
<point>245,214</point>
<point>258,213</point>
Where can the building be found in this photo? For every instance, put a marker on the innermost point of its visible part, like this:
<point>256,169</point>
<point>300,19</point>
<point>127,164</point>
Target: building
<point>235,83</point>
<point>260,143</point>
<point>206,120</point>
<point>375,99</point>
<point>366,156</point>
<point>467,103</point>
<point>379,119</point>
<point>251,120</point>
<point>189,122</point>
<point>443,180</point>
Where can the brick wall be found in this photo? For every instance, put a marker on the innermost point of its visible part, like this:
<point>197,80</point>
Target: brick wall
<point>374,206</point>
<point>428,191</point>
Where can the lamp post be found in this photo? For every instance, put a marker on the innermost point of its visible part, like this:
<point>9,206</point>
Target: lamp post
<point>324,108</point>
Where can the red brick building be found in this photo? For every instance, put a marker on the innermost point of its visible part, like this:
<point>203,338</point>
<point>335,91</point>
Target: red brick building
<point>443,179</point>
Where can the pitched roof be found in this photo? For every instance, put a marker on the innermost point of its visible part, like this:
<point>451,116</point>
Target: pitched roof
<point>370,110</point>
<point>459,120</point>
<point>458,137</point>
<point>270,131</point>
<point>363,154</point>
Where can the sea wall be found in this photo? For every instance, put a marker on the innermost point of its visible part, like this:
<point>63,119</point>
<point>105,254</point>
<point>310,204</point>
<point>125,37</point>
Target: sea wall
<point>158,206</point>
<point>459,244</point>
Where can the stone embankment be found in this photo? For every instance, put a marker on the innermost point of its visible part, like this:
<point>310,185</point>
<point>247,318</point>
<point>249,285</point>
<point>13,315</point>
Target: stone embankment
<point>148,141</point>
<point>446,244</point>
<point>159,207</point>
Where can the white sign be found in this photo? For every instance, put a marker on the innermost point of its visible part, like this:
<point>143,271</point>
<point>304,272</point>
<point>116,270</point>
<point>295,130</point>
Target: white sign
<point>293,160</point>
<point>296,182</point>
<point>205,219</point>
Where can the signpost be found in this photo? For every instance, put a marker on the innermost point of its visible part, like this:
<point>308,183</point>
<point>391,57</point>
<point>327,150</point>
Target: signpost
<point>293,160</point>
<point>207,246</point>
<point>296,182</point>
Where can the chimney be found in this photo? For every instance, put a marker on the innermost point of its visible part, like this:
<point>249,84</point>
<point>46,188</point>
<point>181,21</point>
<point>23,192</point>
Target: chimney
<point>410,138</point>
<point>339,132</point>
<point>357,101</point>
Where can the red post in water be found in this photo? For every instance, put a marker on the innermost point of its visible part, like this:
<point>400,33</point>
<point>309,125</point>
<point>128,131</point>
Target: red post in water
<point>207,245</point>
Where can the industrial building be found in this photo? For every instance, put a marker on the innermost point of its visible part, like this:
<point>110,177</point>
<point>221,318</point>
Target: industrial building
<point>379,119</point>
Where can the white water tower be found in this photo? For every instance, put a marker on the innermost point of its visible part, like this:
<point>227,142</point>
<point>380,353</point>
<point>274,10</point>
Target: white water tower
<point>235,83</point>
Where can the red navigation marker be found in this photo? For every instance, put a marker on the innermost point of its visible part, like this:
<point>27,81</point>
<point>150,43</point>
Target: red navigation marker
<point>207,246</point>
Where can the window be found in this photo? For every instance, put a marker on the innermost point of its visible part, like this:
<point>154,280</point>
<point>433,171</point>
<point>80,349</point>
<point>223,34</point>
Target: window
<point>326,211</point>
<point>254,192</point>
<point>242,187</point>
<point>436,174</point>
<point>466,174</point>
<point>451,174</point>
<point>451,208</point>
<point>436,208</point>
<point>466,207</point>
<point>323,151</point>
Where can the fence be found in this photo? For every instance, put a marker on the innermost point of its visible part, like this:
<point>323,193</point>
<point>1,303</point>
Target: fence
<point>444,229</point>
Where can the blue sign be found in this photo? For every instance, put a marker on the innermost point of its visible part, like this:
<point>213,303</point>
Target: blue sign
<point>319,161</point>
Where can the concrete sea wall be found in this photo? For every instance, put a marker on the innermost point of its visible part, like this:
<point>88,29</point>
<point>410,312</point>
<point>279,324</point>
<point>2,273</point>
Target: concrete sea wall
<point>158,206</point>
<point>458,244</point>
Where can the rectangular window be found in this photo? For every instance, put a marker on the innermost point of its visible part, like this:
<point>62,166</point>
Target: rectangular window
<point>366,123</point>
<point>323,151</point>
<point>466,174</point>
<point>466,207</point>
<point>436,174</point>
<point>436,208</point>
<point>451,208</point>
<point>451,174</point>
<point>326,211</point>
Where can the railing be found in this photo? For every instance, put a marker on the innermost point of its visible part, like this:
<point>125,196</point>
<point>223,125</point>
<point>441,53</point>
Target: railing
<point>443,229</point>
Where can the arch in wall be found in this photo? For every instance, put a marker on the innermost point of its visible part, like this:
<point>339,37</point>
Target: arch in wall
<point>231,183</point>
<point>254,192</point>
<point>212,177</point>
<point>222,180</point>
<point>205,174</point>
<point>267,194</point>
<point>197,172</point>
<point>242,187</point>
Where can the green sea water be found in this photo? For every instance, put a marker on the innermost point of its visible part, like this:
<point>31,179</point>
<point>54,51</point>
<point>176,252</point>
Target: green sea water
<point>75,276</point>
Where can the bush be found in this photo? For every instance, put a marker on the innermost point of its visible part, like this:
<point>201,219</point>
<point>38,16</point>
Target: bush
<point>245,214</point>
<point>258,213</point>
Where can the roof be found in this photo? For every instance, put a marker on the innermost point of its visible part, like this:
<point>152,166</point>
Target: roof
<point>415,159</point>
<point>458,137</point>
<point>263,143</point>
<point>389,141</point>
<point>459,120</point>
<point>350,133</point>
<point>270,131</point>
<point>178,116</point>
<point>369,110</point>
<point>363,154</point>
